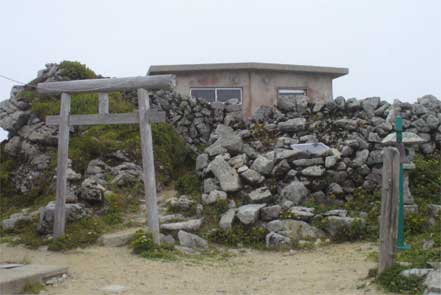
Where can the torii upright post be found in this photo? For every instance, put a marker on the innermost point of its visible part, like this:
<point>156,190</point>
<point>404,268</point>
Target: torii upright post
<point>144,117</point>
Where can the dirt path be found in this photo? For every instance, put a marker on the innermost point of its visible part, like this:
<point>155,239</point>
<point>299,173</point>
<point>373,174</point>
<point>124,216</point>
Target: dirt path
<point>336,269</point>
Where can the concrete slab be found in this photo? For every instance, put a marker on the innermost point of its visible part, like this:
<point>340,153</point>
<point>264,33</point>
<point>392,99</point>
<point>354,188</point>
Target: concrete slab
<point>13,280</point>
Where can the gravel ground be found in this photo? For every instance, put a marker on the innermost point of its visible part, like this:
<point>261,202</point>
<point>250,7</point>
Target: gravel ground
<point>335,269</point>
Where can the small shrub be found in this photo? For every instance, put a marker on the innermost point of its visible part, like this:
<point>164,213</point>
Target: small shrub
<point>425,180</point>
<point>239,234</point>
<point>33,288</point>
<point>74,70</point>
<point>188,184</point>
<point>142,244</point>
<point>392,281</point>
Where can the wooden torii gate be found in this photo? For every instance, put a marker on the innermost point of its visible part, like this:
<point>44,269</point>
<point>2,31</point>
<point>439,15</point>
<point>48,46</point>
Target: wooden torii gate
<point>144,116</point>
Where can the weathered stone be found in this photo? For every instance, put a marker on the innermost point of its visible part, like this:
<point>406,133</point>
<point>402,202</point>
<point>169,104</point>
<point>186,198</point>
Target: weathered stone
<point>202,162</point>
<point>91,190</point>
<point>295,229</point>
<point>292,125</point>
<point>183,203</point>
<point>301,213</point>
<point>361,157</point>
<point>335,189</point>
<point>248,214</point>
<point>313,171</point>
<point>417,272</point>
<point>73,212</point>
<point>227,218</point>
<point>260,195</point>
<point>281,168</point>
<point>14,219</point>
<point>238,161</point>
<point>118,239</point>
<point>191,240</point>
<point>336,225</point>
<point>330,161</point>
<point>252,176</point>
<point>227,176</point>
<point>433,282</point>
<point>295,192</point>
<point>263,165</point>
<point>308,162</point>
<point>270,212</point>
<point>275,240</point>
<point>213,197</point>
<point>189,225</point>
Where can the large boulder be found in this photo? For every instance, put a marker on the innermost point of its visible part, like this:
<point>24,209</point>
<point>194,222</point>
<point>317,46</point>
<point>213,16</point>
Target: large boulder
<point>191,240</point>
<point>295,229</point>
<point>189,225</point>
<point>72,212</point>
<point>275,240</point>
<point>227,218</point>
<point>227,176</point>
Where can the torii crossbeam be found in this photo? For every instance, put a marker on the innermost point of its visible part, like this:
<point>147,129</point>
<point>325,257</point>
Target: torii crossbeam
<point>144,116</point>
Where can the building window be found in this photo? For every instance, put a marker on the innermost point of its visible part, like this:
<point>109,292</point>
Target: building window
<point>291,92</point>
<point>217,94</point>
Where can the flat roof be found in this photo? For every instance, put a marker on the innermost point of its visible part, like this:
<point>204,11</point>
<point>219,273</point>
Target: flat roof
<point>172,69</point>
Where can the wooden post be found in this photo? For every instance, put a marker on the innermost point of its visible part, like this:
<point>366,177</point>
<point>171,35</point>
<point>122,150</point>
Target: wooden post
<point>389,207</point>
<point>63,148</point>
<point>148,164</point>
<point>103,103</point>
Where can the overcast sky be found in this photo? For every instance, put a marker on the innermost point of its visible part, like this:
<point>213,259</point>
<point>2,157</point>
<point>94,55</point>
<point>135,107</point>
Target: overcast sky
<point>391,47</point>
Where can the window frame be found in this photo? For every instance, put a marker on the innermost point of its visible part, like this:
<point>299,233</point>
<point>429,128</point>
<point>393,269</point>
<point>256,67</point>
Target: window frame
<point>304,89</point>
<point>215,92</point>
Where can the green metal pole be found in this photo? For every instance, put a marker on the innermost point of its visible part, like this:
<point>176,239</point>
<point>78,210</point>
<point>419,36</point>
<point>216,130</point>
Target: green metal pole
<point>401,244</point>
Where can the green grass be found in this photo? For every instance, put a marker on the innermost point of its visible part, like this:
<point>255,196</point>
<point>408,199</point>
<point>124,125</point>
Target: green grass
<point>74,70</point>
<point>188,184</point>
<point>392,281</point>
<point>143,245</point>
<point>33,288</point>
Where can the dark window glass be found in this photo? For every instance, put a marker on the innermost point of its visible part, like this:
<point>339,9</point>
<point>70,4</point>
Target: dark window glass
<point>225,94</point>
<point>207,94</point>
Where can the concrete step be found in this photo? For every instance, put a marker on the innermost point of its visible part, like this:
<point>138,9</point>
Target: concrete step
<point>13,280</point>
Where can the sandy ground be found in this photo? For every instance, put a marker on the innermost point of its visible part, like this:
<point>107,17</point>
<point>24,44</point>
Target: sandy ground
<point>335,269</point>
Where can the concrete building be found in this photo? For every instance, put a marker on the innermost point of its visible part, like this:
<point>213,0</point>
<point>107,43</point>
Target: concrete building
<point>253,84</point>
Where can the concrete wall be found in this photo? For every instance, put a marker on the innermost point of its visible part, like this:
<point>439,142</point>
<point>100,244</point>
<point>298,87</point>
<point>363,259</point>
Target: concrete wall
<point>258,87</point>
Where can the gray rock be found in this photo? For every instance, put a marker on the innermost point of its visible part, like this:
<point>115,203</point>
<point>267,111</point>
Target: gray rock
<point>308,162</point>
<point>336,212</point>
<point>260,195</point>
<point>202,162</point>
<point>191,240</point>
<point>227,219</point>
<point>370,104</point>
<point>209,185</point>
<point>238,161</point>
<point>72,212</point>
<point>227,176</point>
<point>301,213</point>
<point>347,124</point>
<point>117,239</point>
<point>252,176</point>
<point>263,114</point>
<point>292,125</point>
<point>361,157</point>
<point>270,212</point>
<point>295,192</point>
<point>183,203</point>
<point>408,138</point>
<point>313,171</point>
<point>375,157</point>
<point>281,168</point>
<point>213,197</point>
<point>275,240</point>
<point>114,289</point>
<point>11,222</point>
<point>330,161</point>
<point>434,213</point>
<point>263,165</point>
<point>295,229</point>
<point>249,214</point>
<point>91,190</point>
<point>417,272</point>
<point>335,189</point>
<point>433,281</point>
<point>189,225</point>
<point>336,225</point>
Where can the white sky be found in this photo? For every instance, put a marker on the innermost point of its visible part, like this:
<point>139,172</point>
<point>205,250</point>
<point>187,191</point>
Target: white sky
<point>391,47</point>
